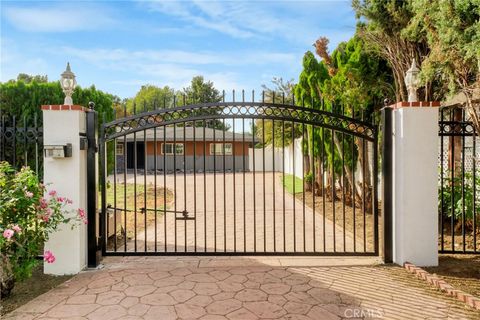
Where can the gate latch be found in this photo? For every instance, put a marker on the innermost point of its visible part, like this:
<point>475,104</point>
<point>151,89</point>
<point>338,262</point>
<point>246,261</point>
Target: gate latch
<point>184,216</point>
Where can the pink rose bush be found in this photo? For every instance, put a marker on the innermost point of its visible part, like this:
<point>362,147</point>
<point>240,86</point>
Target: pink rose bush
<point>29,214</point>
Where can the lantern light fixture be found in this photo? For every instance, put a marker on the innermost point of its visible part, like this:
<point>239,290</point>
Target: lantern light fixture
<point>68,84</point>
<point>412,81</point>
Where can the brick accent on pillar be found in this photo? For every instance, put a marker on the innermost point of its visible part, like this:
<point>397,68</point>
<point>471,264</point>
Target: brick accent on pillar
<point>64,107</point>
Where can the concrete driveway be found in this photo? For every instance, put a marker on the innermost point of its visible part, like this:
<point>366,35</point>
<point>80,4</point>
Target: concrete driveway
<point>239,288</point>
<point>237,212</point>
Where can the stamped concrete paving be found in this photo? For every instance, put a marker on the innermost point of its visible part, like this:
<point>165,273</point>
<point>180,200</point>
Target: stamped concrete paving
<point>223,288</point>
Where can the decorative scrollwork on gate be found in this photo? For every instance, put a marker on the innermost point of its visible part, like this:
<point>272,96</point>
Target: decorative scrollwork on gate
<point>30,134</point>
<point>456,128</point>
<point>210,111</point>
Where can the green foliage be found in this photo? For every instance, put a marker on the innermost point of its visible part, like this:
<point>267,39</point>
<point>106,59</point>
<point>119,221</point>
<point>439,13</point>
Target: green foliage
<point>360,80</point>
<point>28,78</point>
<point>151,97</point>
<point>462,196</point>
<point>199,91</point>
<point>352,81</point>
<point>277,132</point>
<point>452,31</point>
<point>308,178</point>
<point>27,218</point>
<point>380,25</point>
<point>22,99</point>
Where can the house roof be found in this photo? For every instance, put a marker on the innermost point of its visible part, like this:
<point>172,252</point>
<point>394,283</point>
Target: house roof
<point>190,133</point>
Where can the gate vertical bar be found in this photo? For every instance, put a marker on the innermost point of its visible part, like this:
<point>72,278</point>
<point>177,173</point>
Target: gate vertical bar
<point>387,185</point>
<point>474,193</point>
<point>25,142</point>
<point>375,192</point>
<point>93,255</point>
<point>442,199</point>
<point>2,139</point>
<point>103,188</point>
<point>35,122</point>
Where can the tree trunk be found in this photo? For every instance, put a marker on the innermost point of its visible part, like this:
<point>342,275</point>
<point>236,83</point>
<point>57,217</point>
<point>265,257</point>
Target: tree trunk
<point>7,279</point>
<point>348,170</point>
<point>365,185</point>
<point>307,160</point>
<point>319,180</point>
<point>455,147</point>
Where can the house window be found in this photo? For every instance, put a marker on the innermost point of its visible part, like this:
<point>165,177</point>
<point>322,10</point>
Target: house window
<point>167,148</point>
<point>220,148</point>
<point>119,149</point>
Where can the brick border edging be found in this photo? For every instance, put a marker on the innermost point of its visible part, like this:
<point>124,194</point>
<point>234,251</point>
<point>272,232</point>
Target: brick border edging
<point>442,285</point>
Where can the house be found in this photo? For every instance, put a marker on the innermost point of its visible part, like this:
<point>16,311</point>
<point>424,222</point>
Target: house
<point>179,149</point>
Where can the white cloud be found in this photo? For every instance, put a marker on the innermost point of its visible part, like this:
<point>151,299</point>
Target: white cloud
<point>206,16</point>
<point>236,19</point>
<point>297,21</point>
<point>59,18</point>
<point>124,58</point>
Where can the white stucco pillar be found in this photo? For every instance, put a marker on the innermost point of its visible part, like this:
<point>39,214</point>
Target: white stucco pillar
<point>63,124</point>
<point>415,183</point>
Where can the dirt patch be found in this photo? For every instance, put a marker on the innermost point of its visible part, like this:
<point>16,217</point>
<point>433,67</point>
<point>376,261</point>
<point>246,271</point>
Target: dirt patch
<point>457,242</point>
<point>131,197</point>
<point>354,221</point>
<point>459,270</point>
<point>31,288</point>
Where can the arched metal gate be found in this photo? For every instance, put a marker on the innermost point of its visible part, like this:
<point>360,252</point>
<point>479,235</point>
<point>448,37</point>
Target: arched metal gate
<point>239,178</point>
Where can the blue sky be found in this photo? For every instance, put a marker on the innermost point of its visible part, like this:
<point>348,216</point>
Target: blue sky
<point>121,45</point>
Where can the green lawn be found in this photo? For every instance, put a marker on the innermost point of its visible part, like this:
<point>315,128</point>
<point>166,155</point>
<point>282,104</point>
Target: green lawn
<point>289,181</point>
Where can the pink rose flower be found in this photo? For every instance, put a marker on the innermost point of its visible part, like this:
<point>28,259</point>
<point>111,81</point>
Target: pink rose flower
<point>52,193</point>
<point>69,201</point>
<point>43,203</point>
<point>17,228</point>
<point>28,194</point>
<point>85,221</point>
<point>46,217</point>
<point>8,233</point>
<point>60,199</point>
<point>48,257</point>
<point>81,213</point>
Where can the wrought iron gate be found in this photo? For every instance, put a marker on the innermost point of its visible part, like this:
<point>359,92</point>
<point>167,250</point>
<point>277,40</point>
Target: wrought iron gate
<point>241,178</point>
<point>21,142</point>
<point>459,183</point>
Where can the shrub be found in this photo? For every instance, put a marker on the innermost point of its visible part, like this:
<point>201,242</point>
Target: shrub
<point>308,178</point>
<point>462,196</point>
<point>27,217</point>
